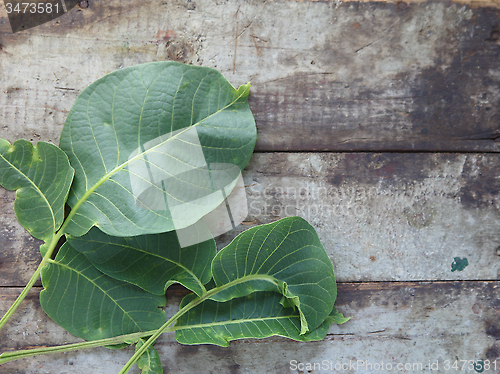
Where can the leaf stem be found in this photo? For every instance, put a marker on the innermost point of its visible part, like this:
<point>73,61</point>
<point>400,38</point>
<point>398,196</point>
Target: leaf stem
<point>32,280</point>
<point>175,317</point>
<point>158,332</point>
<point>154,334</point>
<point>16,355</point>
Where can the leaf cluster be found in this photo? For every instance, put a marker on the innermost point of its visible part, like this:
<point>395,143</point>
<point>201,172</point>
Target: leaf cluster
<point>146,154</point>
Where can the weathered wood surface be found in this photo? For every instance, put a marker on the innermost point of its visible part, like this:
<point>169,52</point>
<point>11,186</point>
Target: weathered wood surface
<point>385,217</point>
<point>404,4</point>
<point>403,322</point>
<point>326,75</point>
<point>381,217</point>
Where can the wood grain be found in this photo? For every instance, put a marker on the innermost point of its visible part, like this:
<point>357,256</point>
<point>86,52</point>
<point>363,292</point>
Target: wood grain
<point>326,76</point>
<point>381,217</point>
<point>404,4</point>
<point>403,322</point>
<point>332,83</point>
<point>384,217</point>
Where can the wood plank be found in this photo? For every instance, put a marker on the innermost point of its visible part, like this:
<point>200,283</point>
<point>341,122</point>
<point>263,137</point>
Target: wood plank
<point>471,3</point>
<point>407,322</point>
<point>326,76</point>
<point>381,217</point>
<point>388,216</point>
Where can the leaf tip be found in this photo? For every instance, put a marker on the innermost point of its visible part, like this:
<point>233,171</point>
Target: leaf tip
<point>244,90</point>
<point>338,318</point>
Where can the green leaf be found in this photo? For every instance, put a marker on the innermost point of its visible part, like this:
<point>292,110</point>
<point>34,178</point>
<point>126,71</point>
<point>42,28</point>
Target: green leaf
<point>286,257</point>
<point>149,362</point>
<point>338,317</point>
<point>42,177</point>
<point>155,147</point>
<point>152,262</point>
<point>258,315</point>
<point>92,305</point>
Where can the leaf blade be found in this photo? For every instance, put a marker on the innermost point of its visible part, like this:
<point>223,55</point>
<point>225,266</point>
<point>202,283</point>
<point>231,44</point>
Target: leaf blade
<point>286,257</point>
<point>149,362</point>
<point>92,306</point>
<point>258,315</point>
<point>152,262</point>
<point>42,177</point>
<point>123,124</point>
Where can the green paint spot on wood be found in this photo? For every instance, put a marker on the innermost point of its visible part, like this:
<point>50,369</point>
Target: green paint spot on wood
<point>459,264</point>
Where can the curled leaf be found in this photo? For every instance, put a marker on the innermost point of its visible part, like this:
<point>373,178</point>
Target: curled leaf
<point>258,315</point>
<point>286,257</point>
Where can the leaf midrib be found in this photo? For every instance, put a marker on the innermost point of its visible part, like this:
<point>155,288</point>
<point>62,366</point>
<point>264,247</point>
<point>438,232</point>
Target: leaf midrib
<point>118,168</point>
<point>234,321</point>
<point>154,255</point>
<point>244,279</point>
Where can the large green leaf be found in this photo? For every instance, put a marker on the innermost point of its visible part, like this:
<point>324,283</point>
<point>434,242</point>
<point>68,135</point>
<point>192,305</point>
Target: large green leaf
<point>42,177</point>
<point>92,305</point>
<point>258,315</point>
<point>155,147</point>
<point>149,362</point>
<point>152,262</point>
<point>285,256</point>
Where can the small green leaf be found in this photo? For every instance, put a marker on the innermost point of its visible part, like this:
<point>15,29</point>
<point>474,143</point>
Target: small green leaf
<point>92,305</point>
<point>152,262</point>
<point>258,315</point>
<point>42,177</point>
<point>155,147</point>
<point>338,318</point>
<point>149,362</point>
<point>286,257</point>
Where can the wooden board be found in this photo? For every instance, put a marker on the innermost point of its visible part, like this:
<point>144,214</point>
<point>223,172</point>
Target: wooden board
<point>356,104</point>
<point>326,76</point>
<point>381,217</point>
<point>404,4</point>
<point>396,323</point>
<point>385,217</point>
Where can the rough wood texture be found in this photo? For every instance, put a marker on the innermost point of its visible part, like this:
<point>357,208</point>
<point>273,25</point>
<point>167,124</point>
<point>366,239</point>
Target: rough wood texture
<point>404,4</point>
<point>381,217</point>
<point>326,75</point>
<point>386,217</point>
<point>404,322</point>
